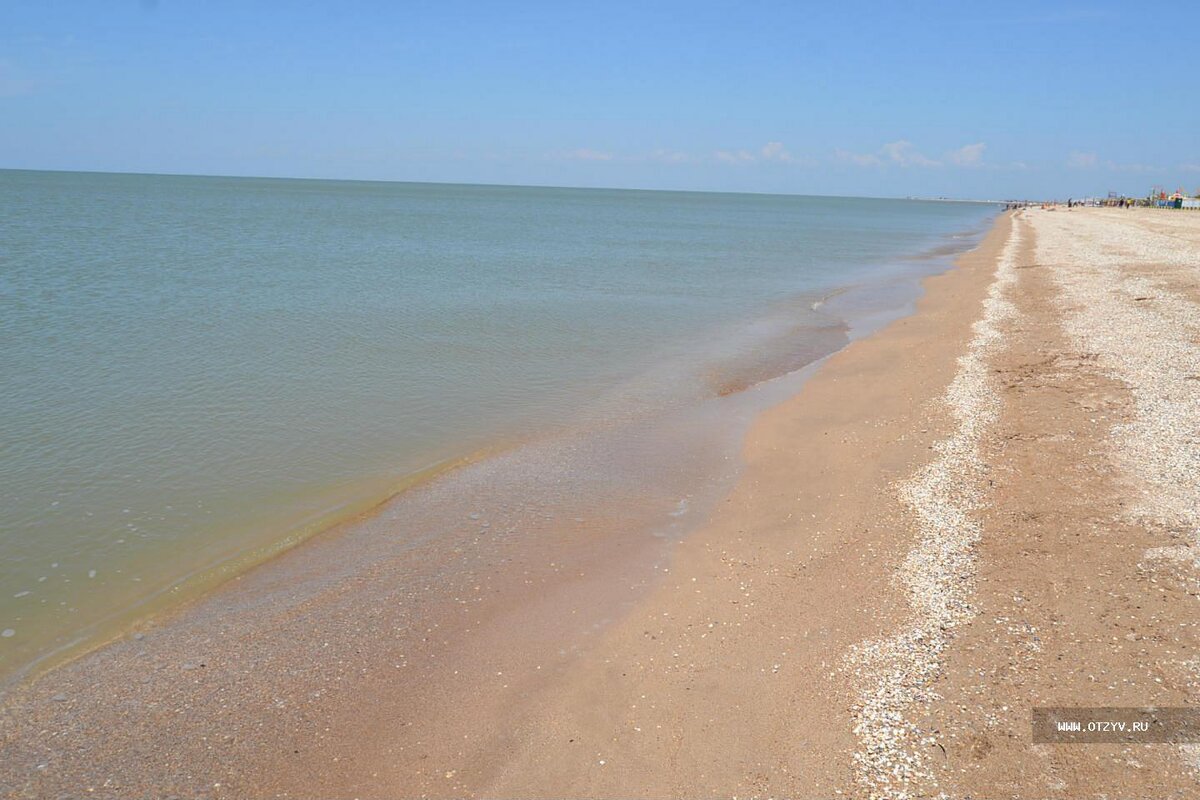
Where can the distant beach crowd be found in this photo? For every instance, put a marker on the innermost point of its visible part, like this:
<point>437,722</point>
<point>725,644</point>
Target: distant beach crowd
<point>1177,200</point>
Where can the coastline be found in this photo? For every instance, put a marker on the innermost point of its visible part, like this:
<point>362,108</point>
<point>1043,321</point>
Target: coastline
<point>607,575</point>
<point>731,678</point>
<point>780,339</point>
<point>174,596</point>
<point>972,512</point>
<point>156,471</point>
<point>977,511</point>
<point>636,402</point>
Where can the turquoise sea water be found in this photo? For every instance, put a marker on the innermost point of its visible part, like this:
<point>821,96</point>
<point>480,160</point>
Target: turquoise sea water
<point>195,370</point>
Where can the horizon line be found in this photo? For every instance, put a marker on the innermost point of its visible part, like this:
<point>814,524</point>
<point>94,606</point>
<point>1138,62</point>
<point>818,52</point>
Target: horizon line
<point>942,199</point>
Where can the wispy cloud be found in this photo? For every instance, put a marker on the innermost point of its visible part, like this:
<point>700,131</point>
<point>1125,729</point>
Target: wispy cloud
<point>859,159</point>
<point>735,156</point>
<point>1089,160</point>
<point>1189,167</point>
<point>1078,160</point>
<point>588,154</point>
<point>905,154</point>
<point>769,152</point>
<point>775,151</point>
<point>1135,168</point>
<point>670,157</point>
<point>969,155</point>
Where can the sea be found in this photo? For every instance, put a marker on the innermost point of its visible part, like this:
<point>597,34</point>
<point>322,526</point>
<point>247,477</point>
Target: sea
<point>199,373</point>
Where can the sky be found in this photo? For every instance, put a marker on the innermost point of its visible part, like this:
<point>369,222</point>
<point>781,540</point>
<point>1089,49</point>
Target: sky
<point>965,99</point>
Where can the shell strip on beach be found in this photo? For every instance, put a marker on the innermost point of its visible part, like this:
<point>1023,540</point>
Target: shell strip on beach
<point>893,674</point>
<point>1116,279</point>
<point>1145,336</point>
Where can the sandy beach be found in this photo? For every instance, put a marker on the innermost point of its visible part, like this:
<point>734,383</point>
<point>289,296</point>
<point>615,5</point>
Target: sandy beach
<point>987,506</point>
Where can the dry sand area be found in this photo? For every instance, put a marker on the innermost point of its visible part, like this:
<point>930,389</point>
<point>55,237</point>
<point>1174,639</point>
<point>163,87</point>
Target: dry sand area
<point>992,504</point>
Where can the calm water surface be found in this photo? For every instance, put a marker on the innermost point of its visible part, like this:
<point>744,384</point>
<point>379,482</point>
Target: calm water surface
<point>196,371</point>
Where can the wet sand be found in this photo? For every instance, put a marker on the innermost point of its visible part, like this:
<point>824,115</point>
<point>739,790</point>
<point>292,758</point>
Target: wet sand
<point>984,507</point>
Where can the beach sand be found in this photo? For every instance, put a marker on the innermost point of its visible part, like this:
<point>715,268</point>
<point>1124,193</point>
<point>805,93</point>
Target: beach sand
<point>989,505</point>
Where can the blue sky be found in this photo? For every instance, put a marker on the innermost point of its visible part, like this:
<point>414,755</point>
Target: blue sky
<point>997,99</point>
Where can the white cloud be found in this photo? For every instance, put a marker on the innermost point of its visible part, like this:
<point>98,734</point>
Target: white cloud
<point>771,151</point>
<point>734,156</point>
<point>969,155</point>
<point>1136,168</point>
<point>670,157</point>
<point>588,154</point>
<point>905,154</point>
<point>1190,167</point>
<point>901,153</point>
<point>860,159</point>
<point>1079,160</point>
<point>775,151</point>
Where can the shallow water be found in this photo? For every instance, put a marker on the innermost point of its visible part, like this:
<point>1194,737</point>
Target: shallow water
<point>198,371</point>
